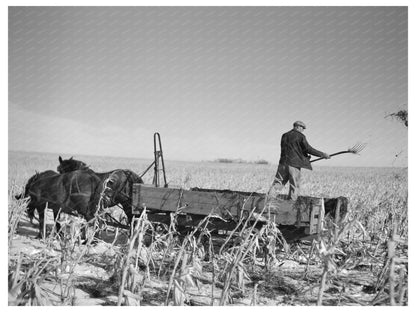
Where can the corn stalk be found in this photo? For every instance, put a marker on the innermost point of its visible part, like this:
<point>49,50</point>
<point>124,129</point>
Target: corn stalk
<point>239,255</point>
<point>137,232</point>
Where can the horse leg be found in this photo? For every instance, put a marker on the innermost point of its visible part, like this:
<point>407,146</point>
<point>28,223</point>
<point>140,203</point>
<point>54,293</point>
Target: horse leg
<point>56,216</point>
<point>88,217</point>
<point>129,215</point>
<point>41,213</point>
<point>125,204</point>
<point>31,212</point>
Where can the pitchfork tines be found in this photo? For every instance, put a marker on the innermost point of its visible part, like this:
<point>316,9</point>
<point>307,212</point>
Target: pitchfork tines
<point>357,148</point>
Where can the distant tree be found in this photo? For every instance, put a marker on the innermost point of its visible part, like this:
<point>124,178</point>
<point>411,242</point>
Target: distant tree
<point>224,160</point>
<point>261,162</point>
<point>401,115</point>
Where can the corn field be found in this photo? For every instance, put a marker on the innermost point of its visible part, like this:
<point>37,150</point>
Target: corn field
<point>361,261</point>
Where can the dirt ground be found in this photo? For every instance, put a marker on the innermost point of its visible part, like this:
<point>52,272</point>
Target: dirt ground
<point>286,282</point>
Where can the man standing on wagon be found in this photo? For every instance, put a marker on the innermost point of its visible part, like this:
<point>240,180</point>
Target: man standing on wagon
<point>295,154</point>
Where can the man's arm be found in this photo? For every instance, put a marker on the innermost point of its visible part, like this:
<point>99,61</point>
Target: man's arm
<point>310,150</point>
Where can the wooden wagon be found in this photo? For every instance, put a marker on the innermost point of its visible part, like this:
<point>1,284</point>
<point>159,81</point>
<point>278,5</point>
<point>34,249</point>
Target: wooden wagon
<point>302,219</point>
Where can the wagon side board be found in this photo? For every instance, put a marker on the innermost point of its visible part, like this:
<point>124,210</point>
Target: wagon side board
<point>230,205</point>
<point>193,202</point>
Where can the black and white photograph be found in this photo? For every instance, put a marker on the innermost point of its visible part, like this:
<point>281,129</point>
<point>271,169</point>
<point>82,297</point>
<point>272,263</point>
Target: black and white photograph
<point>207,155</point>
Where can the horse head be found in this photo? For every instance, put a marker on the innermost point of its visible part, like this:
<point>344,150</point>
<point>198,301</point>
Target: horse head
<point>70,164</point>
<point>117,188</point>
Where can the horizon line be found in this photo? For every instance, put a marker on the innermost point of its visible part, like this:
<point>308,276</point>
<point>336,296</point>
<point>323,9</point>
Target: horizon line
<point>198,161</point>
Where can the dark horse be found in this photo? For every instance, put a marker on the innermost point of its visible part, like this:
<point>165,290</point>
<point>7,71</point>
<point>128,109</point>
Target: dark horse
<point>119,184</point>
<point>73,192</point>
<point>34,205</point>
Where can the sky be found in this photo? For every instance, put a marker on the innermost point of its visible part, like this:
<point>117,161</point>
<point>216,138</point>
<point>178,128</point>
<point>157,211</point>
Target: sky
<point>215,82</point>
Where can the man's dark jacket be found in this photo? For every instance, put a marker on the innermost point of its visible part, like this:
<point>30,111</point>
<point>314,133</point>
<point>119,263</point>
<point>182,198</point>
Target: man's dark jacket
<point>295,150</point>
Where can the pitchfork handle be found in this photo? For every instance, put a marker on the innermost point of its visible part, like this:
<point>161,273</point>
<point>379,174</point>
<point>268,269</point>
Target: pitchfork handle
<point>343,152</point>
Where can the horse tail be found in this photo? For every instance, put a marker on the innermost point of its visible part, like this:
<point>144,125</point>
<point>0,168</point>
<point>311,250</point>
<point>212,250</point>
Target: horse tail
<point>29,182</point>
<point>30,209</point>
<point>24,194</point>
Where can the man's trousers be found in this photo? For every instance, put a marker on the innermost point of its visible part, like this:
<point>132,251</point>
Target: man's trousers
<point>284,174</point>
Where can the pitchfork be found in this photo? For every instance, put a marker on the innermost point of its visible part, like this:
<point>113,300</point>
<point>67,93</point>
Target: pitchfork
<point>354,150</point>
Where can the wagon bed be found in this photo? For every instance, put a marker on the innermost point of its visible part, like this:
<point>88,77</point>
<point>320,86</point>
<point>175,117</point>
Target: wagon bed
<point>296,220</point>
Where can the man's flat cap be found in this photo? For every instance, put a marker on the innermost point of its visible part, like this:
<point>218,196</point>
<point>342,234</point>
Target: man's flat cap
<point>299,123</point>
